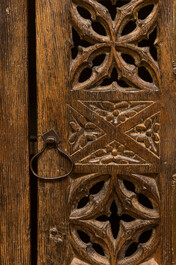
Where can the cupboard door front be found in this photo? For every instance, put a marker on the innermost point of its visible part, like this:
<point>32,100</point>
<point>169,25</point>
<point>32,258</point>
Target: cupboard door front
<point>106,86</point>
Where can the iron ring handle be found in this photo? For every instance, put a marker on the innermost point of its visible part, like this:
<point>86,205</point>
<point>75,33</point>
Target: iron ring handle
<point>51,138</point>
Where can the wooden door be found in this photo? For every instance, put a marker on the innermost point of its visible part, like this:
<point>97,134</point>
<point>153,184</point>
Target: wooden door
<point>106,85</point>
<point>105,75</point>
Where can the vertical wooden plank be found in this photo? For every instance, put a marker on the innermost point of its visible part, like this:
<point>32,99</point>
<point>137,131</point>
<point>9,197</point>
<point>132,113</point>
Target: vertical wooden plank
<point>174,220</point>
<point>174,36</point>
<point>173,209</point>
<point>168,143</point>
<point>14,180</point>
<point>52,84</point>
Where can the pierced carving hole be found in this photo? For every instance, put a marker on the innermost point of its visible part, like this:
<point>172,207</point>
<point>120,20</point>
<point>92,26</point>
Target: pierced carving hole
<point>145,236</point>
<point>129,185</point>
<point>129,27</point>
<point>127,218</point>
<point>115,219</point>
<point>97,187</point>
<point>83,202</point>
<point>145,201</point>
<point>128,58</point>
<point>144,12</point>
<point>141,197</point>
<point>86,239</point>
<point>122,3</point>
<point>98,249</point>
<point>150,43</point>
<point>84,12</point>
<point>153,50</point>
<point>114,78</point>
<point>83,236</point>
<point>102,218</point>
<point>94,190</point>
<point>99,60</point>
<point>112,7</point>
<point>85,75</point>
<point>74,52</point>
<point>131,249</point>
<point>122,83</point>
<point>144,74</point>
<point>77,41</point>
<point>98,28</point>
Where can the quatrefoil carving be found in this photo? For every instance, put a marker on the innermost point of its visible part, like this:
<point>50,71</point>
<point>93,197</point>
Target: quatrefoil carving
<point>114,219</point>
<point>109,39</point>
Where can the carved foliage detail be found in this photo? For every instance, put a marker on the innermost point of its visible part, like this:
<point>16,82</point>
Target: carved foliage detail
<point>114,219</point>
<point>113,153</point>
<point>117,112</point>
<point>81,131</point>
<point>76,261</point>
<point>112,46</point>
<point>148,133</point>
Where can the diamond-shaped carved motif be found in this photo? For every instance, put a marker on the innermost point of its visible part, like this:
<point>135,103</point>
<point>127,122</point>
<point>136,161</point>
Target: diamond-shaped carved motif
<point>94,139</point>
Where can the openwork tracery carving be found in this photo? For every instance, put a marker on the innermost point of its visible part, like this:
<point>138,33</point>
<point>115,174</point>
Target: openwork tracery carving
<point>114,124</point>
<point>114,219</point>
<point>114,41</point>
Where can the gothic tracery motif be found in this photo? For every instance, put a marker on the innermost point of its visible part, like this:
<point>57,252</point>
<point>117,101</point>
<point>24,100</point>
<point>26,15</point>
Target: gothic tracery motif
<point>114,218</point>
<point>111,222</point>
<point>118,47</point>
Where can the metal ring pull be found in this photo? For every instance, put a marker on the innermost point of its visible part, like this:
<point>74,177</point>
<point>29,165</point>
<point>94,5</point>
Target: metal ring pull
<point>51,140</point>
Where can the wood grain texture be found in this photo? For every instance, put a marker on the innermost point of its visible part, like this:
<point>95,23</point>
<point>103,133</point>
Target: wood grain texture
<point>168,144</point>
<point>52,79</point>
<point>174,36</point>
<point>14,156</point>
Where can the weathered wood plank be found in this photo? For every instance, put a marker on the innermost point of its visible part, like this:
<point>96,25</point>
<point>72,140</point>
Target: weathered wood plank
<point>168,117</point>
<point>14,179</point>
<point>52,80</point>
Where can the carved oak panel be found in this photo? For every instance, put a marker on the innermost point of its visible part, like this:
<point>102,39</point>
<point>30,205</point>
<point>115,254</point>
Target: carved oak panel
<point>114,132</point>
<point>114,219</point>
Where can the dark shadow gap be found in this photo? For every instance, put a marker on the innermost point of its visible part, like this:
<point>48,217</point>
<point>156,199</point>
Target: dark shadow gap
<point>32,112</point>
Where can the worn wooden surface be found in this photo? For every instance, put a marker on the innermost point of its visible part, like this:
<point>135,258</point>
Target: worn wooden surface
<point>52,79</point>
<point>14,159</point>
<point>168,142</point>
<point>115,132</point>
